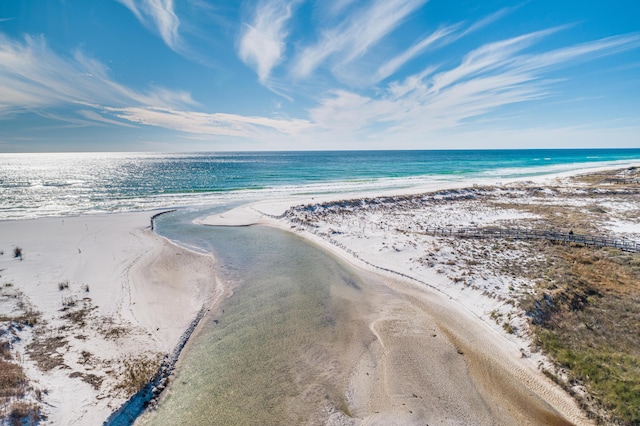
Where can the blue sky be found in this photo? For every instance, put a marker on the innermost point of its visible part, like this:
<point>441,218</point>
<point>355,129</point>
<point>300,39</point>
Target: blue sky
<point>183,75</point>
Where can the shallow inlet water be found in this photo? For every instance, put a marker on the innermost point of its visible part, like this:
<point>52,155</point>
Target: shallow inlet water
<point>275,350</point>
<point>305,339</point>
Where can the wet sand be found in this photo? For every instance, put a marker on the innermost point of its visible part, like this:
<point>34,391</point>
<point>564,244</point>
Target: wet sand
<point>308,339</point>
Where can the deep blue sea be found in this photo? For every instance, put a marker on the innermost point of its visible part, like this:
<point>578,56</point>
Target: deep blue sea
<point>37,185</point>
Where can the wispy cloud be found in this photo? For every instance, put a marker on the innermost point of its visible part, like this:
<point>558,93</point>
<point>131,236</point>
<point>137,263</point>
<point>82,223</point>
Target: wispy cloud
<point>217,124</point>
<point>355,35</point>
<point>489,20</point>
<point>34,79</point>
<point>33,76</point>
<point>263,40</point>
<point>395,63</point>
<point>488,78</point>
<point>157,15</point>
<point>438,39</point>
<point>94,117</point>
<point>337,6</point>
<point>489,58</point>
<point>580,52</point>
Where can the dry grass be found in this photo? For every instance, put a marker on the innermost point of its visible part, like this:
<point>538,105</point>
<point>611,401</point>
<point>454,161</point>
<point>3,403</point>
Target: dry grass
<point>29,318</point>
<point>137,372</point>
<point>14,385</point>
<point>13,382</point>
<point>44,351</point>
<point>17,253</point>
<point>23,413</point>
<point>602,178</point>
<point>80,316</point>
<point>92,379</point>
<point>586,315</point>
<point>586,310</point>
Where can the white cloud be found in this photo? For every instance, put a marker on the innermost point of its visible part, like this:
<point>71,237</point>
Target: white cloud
<point>206,124</point>
<point>491,57</point>
<point>489,20</point>
<point>337,6</point>
<point>94,117</point>
<point>263,42</point>
<point>355,35</point>
<point>490,77</point>
<point>395,63</point>
<point>157,15</point>
<point>579,53</point>
<point>35,79</point>
<point>33,76</point>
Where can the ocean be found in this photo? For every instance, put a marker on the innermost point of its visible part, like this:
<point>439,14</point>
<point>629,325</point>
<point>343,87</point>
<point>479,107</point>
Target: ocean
<point>296,312</point>
<point>39,185</point>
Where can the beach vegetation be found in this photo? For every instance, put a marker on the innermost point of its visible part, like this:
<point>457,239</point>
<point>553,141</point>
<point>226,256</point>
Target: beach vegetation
<point>137,372</point>
<point>77,317</point>
<point>23,412</point>
<point>14,386</point>
<point>12,379</point>
<point>586,316</point>
<point>68,302</point>
<point>92,379</point>
<point>582,302</point>
<point>510,329</point>
<point>29,318</point>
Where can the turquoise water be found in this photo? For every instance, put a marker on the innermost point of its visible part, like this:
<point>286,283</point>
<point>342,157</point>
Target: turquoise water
<point>36,185</point>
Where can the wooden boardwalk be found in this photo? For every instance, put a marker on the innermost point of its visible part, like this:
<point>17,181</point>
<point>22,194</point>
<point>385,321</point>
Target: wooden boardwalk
<point>614,178</point>
<point>532,234</point>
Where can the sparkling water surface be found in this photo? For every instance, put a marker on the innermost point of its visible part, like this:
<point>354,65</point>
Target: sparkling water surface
<point>36,185</point>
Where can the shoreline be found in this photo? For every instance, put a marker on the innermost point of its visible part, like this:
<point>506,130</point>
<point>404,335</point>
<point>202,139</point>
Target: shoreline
<point>111,298</point>
<point>128,307</point>
<point>146,397</point>
<point>359,254</point>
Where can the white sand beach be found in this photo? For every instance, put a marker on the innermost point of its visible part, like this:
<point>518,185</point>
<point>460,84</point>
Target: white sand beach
<point>112,297</point>
<point>438,358</point>
<point>133,294</point>
<point>476,312</point>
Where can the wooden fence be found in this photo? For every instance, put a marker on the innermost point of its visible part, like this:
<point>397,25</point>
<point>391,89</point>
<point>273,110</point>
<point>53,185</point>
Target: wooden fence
<point>155,216</point>
<point>532,234</point>
<point>612,178</point>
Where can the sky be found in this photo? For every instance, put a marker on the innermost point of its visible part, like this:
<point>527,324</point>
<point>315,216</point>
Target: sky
<point>212,75</point>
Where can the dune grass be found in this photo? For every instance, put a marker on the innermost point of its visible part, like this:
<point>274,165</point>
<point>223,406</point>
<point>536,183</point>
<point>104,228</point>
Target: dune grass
<point>14,385</point>
<point>586,316</point>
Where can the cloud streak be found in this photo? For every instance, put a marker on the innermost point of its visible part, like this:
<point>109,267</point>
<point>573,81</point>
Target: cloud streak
<point>398,61</point>
<point>453,95</point>
<point>33,76</point>
<point>35,79</point>
<point>157,15</point>
<point>217,124</point>
<point>263,42</point>
<point>355,35</point>
<point>488,78</point>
